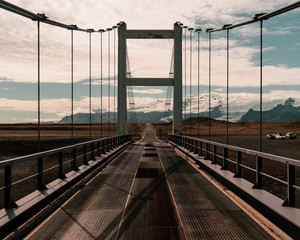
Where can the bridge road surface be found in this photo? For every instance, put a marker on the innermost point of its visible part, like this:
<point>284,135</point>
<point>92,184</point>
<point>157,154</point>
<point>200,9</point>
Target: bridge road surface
<point>149,192</point>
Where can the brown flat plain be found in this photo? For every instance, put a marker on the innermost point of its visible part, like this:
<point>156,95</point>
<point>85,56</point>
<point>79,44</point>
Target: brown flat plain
<point>245,135</point>
<point>21,139</point>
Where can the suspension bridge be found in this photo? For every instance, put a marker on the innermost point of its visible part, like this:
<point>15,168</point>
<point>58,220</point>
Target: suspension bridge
<point>111,187</point>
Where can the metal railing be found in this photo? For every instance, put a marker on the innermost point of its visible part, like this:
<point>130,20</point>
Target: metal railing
<point>208,149</point>
<point>90,150</point>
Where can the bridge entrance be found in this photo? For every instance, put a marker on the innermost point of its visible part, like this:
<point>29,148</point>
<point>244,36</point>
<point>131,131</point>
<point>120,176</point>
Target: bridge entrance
<point>124,81</point>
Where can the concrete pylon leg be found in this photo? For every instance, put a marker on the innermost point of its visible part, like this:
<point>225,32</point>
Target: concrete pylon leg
<point>122,88</point>
<point>177,92</point>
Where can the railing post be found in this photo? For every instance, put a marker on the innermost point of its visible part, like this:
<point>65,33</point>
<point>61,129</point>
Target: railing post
<point>102,147</point>
<point>93,152</point>
<point>290,200</point>
<point>98,149</point>
<point>74,162</point>
<point>106,145</point>
<point>225,156</point>
<point>111,143</point>
<point>197,146</point>
<point>193,146</point>
<point>258,182</point>
<point>40,177</point>
<point>207,151</point>
<point>214,161</point>
<point>201,148</point>
<point>61,174</point>
<point>8,202</point>
<point>238,171</point>
<point>85,162</point>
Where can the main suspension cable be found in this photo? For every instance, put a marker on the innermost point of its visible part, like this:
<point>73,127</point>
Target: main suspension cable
<point>131,111</point>
<point>169,89</point>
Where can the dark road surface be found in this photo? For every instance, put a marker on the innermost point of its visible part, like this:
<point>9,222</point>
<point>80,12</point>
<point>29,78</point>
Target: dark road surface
<point>149,192</point>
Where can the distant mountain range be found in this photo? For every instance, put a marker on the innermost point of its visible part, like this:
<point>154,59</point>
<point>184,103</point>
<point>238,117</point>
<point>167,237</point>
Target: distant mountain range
<point>132,117</point>
<point>280,113</point>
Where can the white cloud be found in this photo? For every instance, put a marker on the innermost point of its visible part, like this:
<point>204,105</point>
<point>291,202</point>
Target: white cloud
<point>148,91</point>
<point>147,58</point>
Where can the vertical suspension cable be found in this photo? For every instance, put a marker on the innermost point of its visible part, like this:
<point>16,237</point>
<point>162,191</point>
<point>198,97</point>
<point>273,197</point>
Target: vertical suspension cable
<point>39,89</point>
<point>209,85</point>
<point>227,118</point>
<point>261,65</point>
<point>101,86</point>
<point>185,27</point>
<point>72,85</point>
<point>90,81</point>
<point>108,47</point>
<point>198,126</point>
<point>115,127</point>
<point>191,44</point>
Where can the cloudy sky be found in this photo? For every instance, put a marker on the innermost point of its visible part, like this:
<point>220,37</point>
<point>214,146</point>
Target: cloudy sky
<point>148,58</point>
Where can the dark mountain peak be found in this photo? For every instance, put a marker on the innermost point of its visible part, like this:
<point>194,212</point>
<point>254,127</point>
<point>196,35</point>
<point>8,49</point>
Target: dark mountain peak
<point>280,113</point>
<point>290,101</point>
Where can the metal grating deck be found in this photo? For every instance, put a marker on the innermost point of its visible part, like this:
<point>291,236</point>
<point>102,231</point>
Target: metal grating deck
<point>150,212</point>
<point>205,212</point>
<point>96,211</point>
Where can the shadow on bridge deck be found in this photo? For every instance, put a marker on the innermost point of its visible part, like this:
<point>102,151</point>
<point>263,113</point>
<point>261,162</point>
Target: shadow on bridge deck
<point>149,192</point>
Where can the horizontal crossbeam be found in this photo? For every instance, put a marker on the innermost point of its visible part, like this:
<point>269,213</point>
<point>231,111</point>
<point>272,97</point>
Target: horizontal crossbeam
<point>150,34</point>
<point>150,81</point>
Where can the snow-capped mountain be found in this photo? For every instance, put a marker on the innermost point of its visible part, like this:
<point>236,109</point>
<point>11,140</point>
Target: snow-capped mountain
<point>240,109</point>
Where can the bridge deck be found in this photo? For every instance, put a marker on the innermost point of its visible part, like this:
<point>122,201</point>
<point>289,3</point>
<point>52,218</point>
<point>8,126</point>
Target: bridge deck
<point>149,192</point>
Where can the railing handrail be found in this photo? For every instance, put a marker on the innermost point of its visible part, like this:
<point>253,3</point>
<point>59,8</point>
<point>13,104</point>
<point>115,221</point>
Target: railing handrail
<point>248,151</point>
<point>52,151</point>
